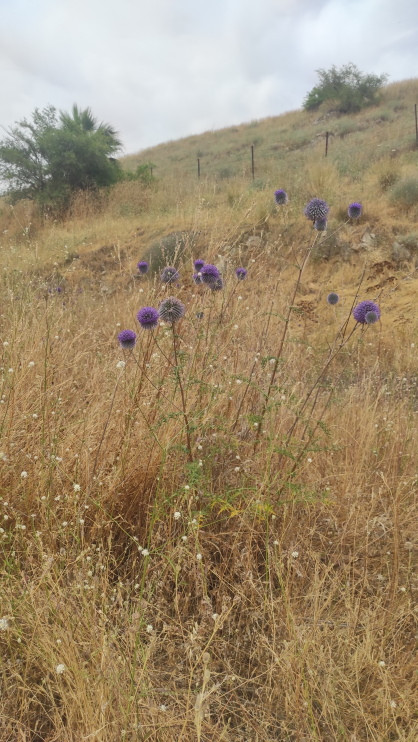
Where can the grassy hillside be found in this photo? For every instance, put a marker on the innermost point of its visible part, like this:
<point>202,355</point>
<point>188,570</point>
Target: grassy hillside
<point>213,536</point>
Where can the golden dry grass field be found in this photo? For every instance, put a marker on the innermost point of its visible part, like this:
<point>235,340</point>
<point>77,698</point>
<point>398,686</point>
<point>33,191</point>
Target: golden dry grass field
<point>213,536</point>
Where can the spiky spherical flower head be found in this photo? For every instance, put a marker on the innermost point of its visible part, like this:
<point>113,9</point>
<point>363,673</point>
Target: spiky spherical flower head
<point>142,266</point>
<point>320,225</point>
<point>361,311</point>
<point>127,339</point>
<point>171,310</point>
<point>316,209</point>
<point>217,285</point>
<point>197,278</point>
<point>371,317</point>
<point>333,298</point>
<point>170,275</point>
<point>354,210</point>
<point>198,264</point>
<point>148,318</point>
<point>280,197</point>
<point>210,274</point>
<point>240,273</point>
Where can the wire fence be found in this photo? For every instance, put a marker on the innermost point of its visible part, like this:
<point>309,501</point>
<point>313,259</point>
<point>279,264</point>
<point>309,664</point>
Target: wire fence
<point>261,160</point>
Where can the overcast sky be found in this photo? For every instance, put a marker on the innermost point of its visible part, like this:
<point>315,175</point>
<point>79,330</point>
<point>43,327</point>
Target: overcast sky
<point>163,69</point>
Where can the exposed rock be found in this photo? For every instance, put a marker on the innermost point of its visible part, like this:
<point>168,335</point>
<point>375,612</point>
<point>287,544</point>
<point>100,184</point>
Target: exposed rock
<point>254,241</point>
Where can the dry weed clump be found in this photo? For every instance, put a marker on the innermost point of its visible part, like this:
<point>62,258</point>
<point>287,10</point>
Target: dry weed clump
<point>210,534</point>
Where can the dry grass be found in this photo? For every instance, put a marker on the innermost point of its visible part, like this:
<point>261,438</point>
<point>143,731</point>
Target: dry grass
<point>276,598</point>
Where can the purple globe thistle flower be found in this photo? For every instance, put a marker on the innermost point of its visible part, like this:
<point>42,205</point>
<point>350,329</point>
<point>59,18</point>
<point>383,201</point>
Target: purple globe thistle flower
<point>210,274</point>
<point>320,225</point>
<point>197,278</point>
<point>371,317</point>
<point>333,298</point>
<point>354,210</point>
<point>148,318</point>
<point>361,311</point>
<point>127,339</point>
<point>240,273</point>
<point>316,209</point>
<point>280,197</point>
<point>217,285</point>
<point>171,310</point>
<point>198,264</point>
<point>142,266</point>
<point>170,275</point>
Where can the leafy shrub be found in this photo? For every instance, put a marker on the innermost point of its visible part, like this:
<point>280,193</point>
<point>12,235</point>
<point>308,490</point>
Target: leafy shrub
<point>405,193</point>
<point>348,87</point>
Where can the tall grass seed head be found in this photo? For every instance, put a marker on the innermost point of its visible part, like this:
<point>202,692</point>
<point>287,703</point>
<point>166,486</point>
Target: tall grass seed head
<point>170,275</point>
<point>210,274</point>
<point>240,273</point>
<point>198,264</point>
<point>127,339</point>
<point>143,266</point>
<point>280,197</point>
<point>354,210</point>
<point>333,298</point>
<point>366,307</point>
<point>316,209</point>
<point>148,318</point>
<point>171,310</point>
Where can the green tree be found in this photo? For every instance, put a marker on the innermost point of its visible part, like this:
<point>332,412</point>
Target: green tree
<point>348,88</point>
<point>52,155</point>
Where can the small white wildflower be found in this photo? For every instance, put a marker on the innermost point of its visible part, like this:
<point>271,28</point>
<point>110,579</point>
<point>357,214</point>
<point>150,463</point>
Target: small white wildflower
<point>35,416</point>
<point>237,468</point>
<point>59,641</point>
<point>31,364</point>
<point>5,517</point>
<point>137,586</point>
<point>309,461</point>
<point>4,624</point>
<point>184,539</point>
<point>120,364</point>
<point>5,343</point>
<point>235,327</point>
<point>24,475</point>
<point>295,554</point>
<point>193,522</point>
<point>199,557</point>
<point>199,448</point>
<point>275,542</point>
<point>215,616</point>
<point>393,704</point>
<point>60,669</point>
<point>64,523</point>
<point>238,381</point>
<point>81,521</point>
<point>163,707</point>
<point>76,487</point>
<point>145,552</point>
<point>382,663</point>
<point>177,515</point>
<point>150,628</point>
<point>10,370</point>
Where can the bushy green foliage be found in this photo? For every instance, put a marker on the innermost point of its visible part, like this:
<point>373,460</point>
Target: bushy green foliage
<point>143,173</point>
<point>348,88</point>
<point>53,155</point>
